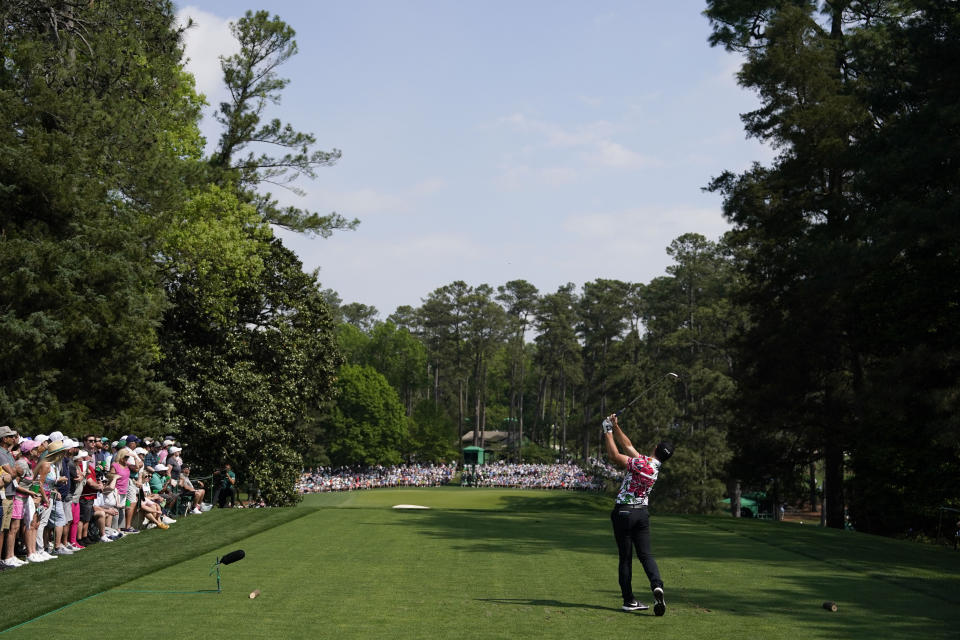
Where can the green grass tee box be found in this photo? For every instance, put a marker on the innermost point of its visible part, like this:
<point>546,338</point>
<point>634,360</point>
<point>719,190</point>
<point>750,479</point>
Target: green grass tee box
<point>486,563</point>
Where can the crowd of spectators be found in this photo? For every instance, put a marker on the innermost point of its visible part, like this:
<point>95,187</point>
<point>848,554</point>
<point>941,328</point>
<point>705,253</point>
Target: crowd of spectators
<point>500,474</point>
<point>325,479</point>
<point>603,469</point>
<point>62,495</point>
<point>533,476</point>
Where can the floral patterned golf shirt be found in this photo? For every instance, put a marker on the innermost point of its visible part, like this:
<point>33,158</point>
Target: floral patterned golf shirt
<point>638,481</point>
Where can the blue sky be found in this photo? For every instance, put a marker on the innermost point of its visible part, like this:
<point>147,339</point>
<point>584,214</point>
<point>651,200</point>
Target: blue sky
<point>551,141</point>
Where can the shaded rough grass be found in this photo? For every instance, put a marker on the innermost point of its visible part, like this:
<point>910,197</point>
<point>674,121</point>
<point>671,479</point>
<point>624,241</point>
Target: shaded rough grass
<point>41,588</point>
<point>503,564</point>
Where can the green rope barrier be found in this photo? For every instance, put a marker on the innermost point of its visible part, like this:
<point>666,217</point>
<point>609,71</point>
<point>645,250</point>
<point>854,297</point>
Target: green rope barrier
<point>50,613</point>
<point>66,606</point>
<point>156,591</point>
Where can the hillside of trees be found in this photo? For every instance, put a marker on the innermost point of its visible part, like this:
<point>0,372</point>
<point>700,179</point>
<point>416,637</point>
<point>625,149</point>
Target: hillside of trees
<point>547,367</point>
<point>143,289</point>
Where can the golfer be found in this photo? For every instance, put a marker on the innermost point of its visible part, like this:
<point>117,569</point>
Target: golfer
<point>631,520</point>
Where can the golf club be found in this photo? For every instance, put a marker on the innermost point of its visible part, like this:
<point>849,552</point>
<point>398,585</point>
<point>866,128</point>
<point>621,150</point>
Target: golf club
<point>669,376</point>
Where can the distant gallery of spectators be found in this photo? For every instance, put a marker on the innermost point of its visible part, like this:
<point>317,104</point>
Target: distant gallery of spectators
<point>534,476</point>
<point>325,479</point>
<point>499,474</point>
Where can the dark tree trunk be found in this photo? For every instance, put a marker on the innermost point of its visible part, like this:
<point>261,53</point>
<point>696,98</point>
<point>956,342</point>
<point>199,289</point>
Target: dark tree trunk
<point>833,486</point>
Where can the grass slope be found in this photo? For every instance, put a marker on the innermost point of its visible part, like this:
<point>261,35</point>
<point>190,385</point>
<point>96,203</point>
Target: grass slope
<point>487,564</point>
<point>39,588</point>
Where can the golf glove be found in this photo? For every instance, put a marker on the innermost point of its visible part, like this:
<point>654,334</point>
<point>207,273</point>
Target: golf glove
<point>607,426</point>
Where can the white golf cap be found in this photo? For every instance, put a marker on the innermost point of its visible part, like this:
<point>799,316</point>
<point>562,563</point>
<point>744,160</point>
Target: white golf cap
<point>41,438</point>
<point>56,435</point>
<point>175,449</point>
<point>160,467</point>
<point>83,454</point>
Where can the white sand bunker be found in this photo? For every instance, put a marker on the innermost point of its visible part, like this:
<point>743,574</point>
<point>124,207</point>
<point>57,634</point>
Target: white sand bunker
<point>409,506</point>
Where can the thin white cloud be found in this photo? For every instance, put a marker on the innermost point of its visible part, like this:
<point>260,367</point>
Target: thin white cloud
<point>612,154</point>
<point>428,187</point>
<point>631,244</point>
<point>358,202</point>
<point>441,246</point>
<point>592,133</point>
<point>554,135</point>
<point>513,176</point>
<point>518,176</point>
<point>365,201</point>
<point>413,265</point>
<point>592,101</point>
<point>205,41</point>
<point>556,176</point>
<point>635,228</point>
<point>606,19</point>
<point>726,76</point>
<point>387,255</point>
<point>589,150</point>
<point>592,147</point>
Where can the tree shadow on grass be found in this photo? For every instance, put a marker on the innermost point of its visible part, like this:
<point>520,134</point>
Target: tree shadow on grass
<point>558,501</point>
<point>867,609</point>
<point>513,532</point>
<point>534,602</point>
<point>918,568</point>
<point>877,599</point>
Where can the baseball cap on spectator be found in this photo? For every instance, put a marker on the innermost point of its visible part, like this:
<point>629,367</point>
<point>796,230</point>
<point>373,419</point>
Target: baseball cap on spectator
<point>161,467</point>
<point>131,461</point>
<point>132,439</point>
<point>175,449</point>
<point>41,438</point>
<point>28,444</point>
<point>122,442</point>
<point>56,435</point>
<point>6,431</point>
<point>168,442</point>
<point>82,454</point>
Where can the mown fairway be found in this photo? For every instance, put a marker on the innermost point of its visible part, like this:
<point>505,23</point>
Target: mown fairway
<point>483,564</point>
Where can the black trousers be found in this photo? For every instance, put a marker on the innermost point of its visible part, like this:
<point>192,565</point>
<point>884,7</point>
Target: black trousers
<point>631,528</point>
<point>226,494</point>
